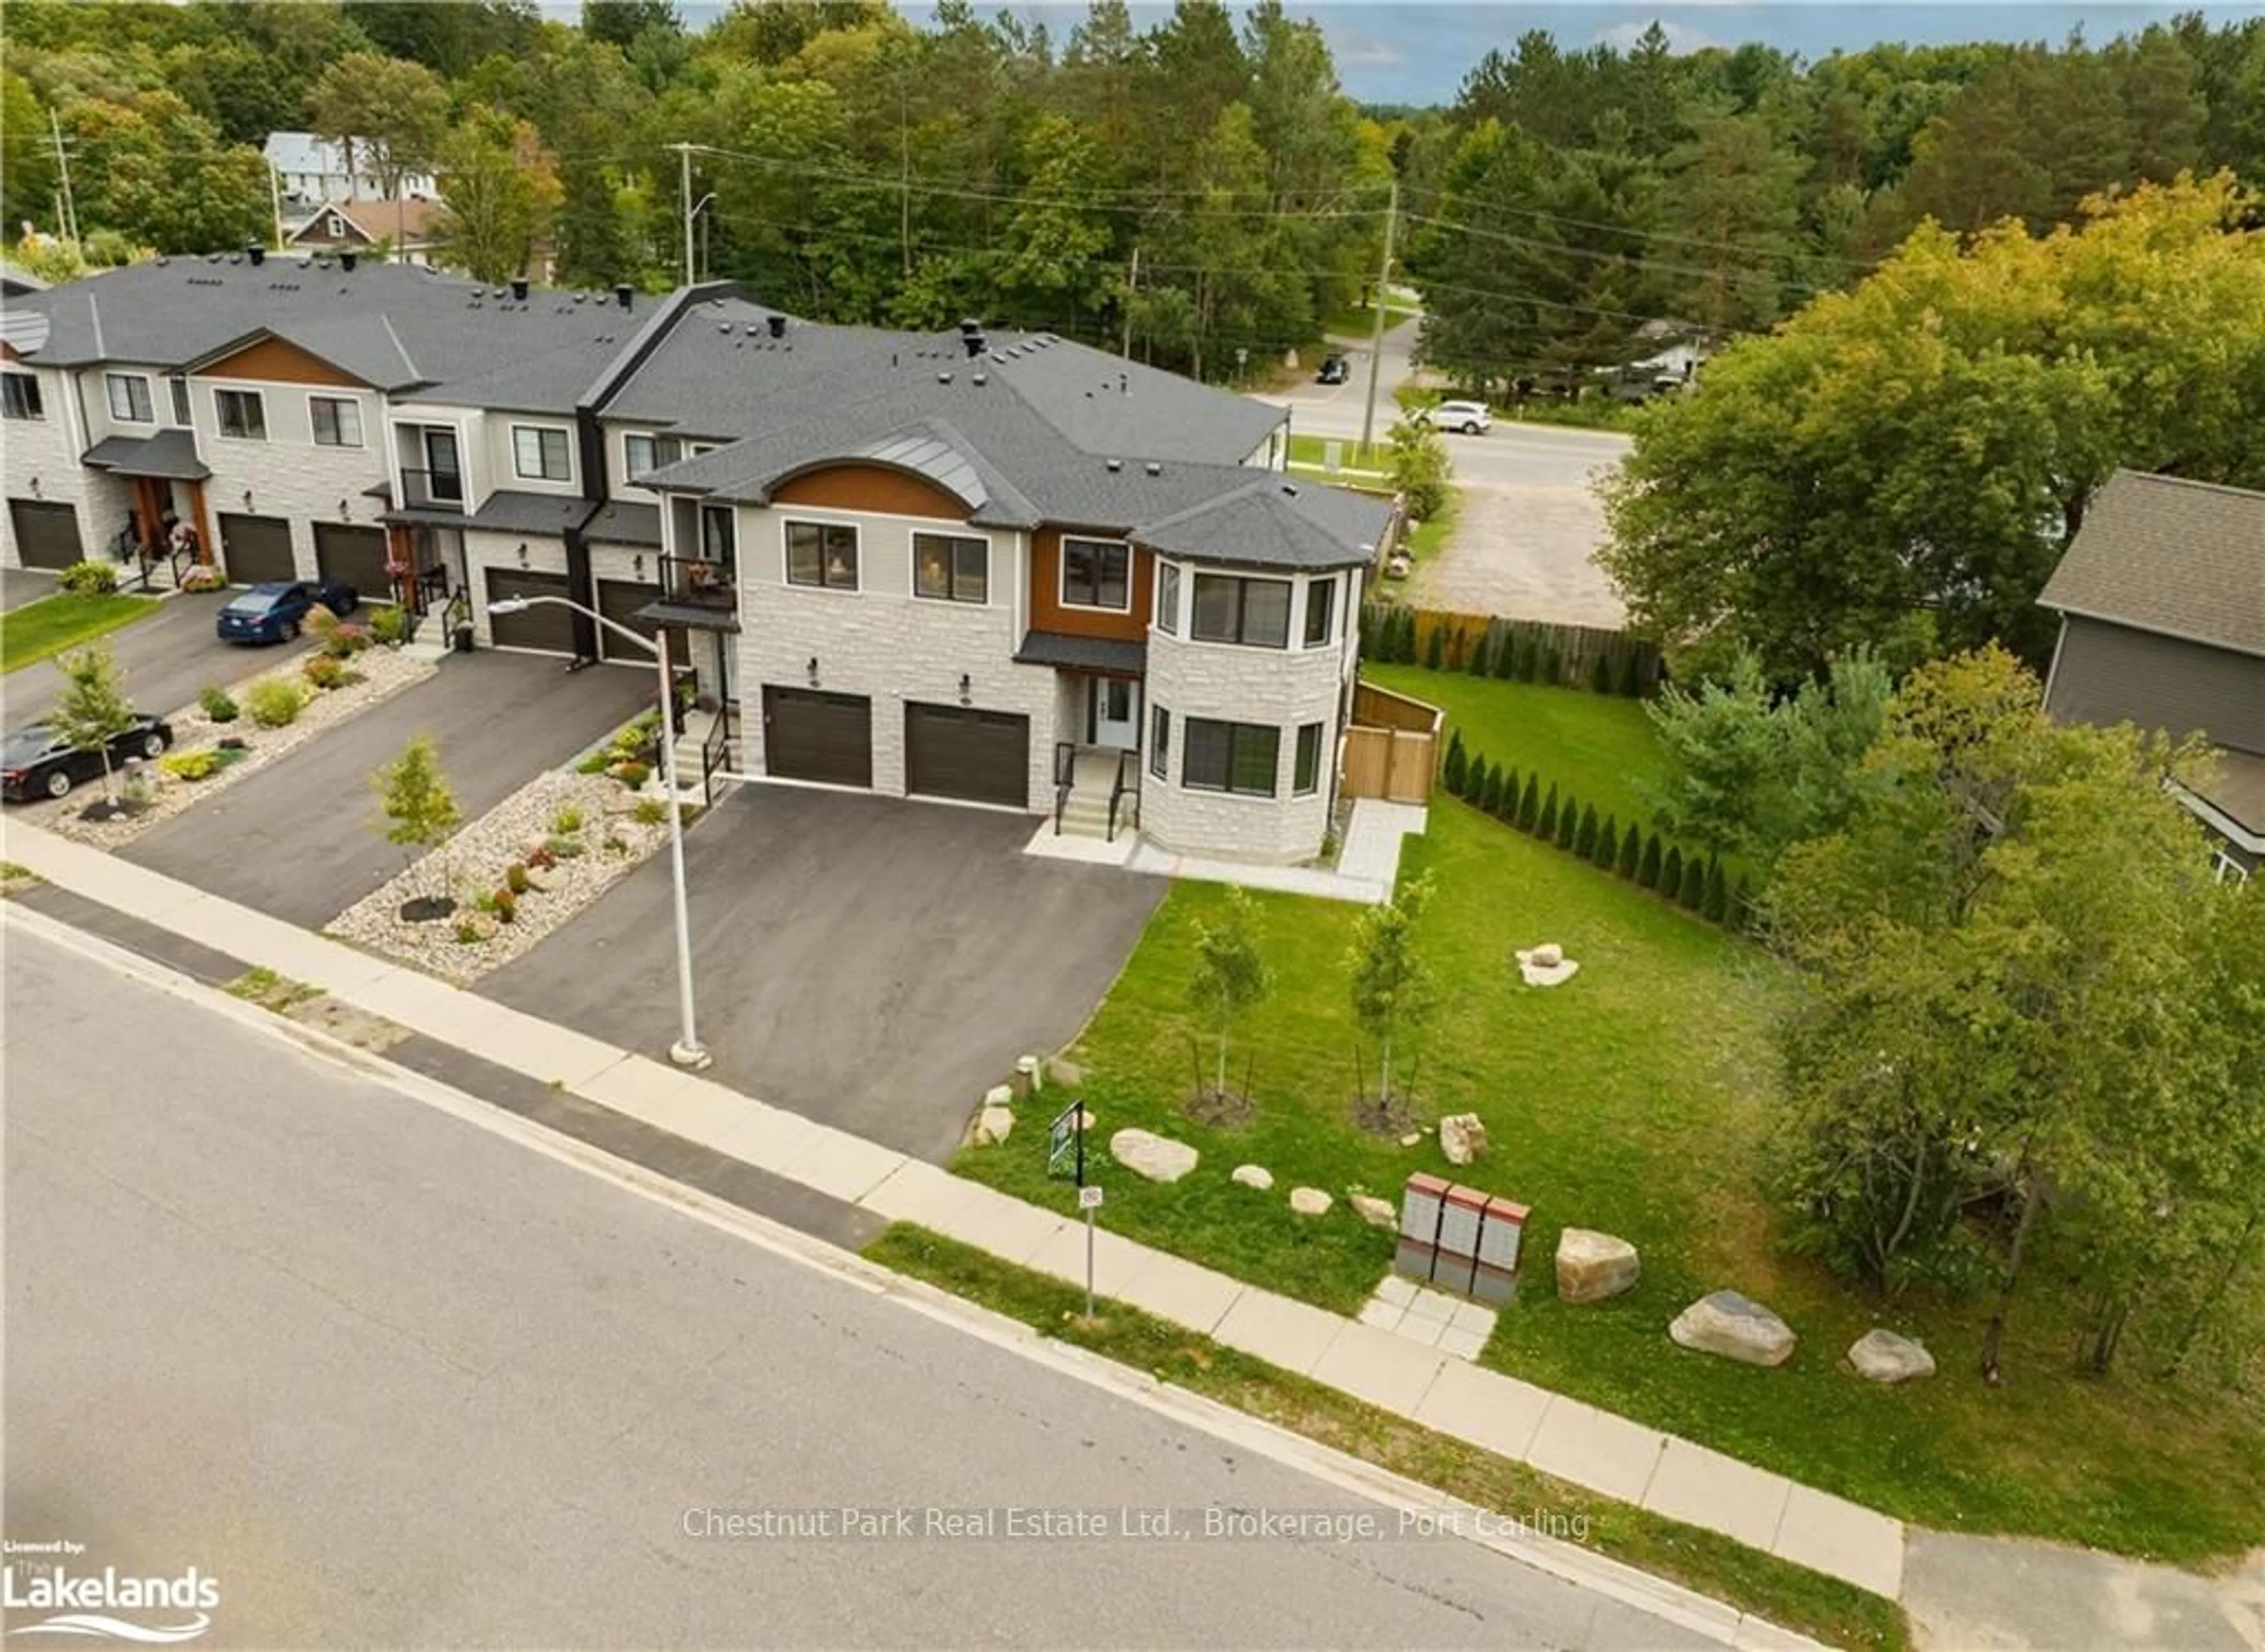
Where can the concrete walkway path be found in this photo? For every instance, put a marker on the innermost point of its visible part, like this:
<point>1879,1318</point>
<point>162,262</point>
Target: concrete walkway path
<point>1558,1435</point>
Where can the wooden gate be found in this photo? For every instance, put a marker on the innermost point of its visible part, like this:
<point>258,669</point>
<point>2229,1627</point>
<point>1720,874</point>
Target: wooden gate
<point>1392,748</point>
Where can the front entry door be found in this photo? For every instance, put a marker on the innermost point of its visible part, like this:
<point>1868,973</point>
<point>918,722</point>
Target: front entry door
<point>1115,707</point>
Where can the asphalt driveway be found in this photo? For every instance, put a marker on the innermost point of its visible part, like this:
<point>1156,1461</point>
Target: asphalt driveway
<point>165,658</point>
<point>299,839</point>
<point>870,962</point>
<point>19,586</point>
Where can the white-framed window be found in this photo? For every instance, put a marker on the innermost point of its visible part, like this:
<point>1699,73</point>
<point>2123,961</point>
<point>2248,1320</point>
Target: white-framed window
<point>948,568</point>
<point>1160,741</point>
<point>1096,573</point>
<point>1305,774</point>
<point>642,455</point>
<point>1320,611</point>
<point>1237,757</point>
<point>243,414</point>
<point>337,420</point>
<point>179,386</point>
<point>1231,608</point>
<point>1168,598</point>
<point>2230,870</point>
<point>541,454</point>
<point>19,396</point>
<point>822,554</point>
<point>720,532</point>
<point>130,402</point>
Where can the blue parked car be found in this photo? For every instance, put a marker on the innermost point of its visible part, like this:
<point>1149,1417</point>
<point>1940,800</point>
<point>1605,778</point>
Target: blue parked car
<point>276,610</point>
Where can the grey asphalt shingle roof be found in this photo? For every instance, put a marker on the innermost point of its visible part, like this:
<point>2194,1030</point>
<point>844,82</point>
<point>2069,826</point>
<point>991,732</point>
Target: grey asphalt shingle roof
<point>168,454</point>
<point>2162,554</point>
<point>517,513</point>
<point>625,523</point>
<point>1270,524</point>
<point>1115,655</point>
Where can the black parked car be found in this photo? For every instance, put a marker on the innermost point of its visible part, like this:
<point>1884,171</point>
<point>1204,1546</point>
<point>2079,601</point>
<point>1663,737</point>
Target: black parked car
<point>1335,370</point>
<point>35,763</point>
<point>275,610</point>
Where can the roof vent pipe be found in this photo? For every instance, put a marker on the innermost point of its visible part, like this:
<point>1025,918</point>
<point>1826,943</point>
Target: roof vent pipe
<point>519,289</point>
<point>971,337</point>
<point>345,260</point>
<point>257,253</point>
<point>622,292</point>
<point>1125,384</point>
<point>777,324</point>
<point>1154,469</point>
<point>1115,465</point>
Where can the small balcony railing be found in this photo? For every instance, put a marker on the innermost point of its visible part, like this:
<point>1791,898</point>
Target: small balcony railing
<point>701,582</point>
<point>433,489</point>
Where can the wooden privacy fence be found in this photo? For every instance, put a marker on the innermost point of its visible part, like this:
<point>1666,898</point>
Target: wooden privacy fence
<point>1392,750</point>
<point>1529,651</point>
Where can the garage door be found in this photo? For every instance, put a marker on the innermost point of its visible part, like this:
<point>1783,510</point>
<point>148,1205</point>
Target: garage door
<point>47,535</point>
<point>355,555</point>
<point>812,735</point>
<point>256,547</point>
<point>545,626</point>
<point>958,751</point>
<point>619,600</point>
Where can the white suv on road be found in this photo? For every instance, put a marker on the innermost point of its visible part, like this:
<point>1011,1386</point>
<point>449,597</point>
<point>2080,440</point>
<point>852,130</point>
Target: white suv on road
<point>1471,418</point>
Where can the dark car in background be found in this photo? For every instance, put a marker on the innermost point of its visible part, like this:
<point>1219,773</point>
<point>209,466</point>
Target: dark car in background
<point>34,761</point>
<point>1335,370</point>
<point>276,610</point>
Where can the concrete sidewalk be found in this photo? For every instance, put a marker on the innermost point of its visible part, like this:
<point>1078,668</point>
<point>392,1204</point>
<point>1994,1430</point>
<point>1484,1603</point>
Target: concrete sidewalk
<point>1560,1436</point>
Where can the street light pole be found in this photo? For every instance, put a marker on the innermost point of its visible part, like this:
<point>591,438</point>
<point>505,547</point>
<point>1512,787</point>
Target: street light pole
<point>687,1051</point>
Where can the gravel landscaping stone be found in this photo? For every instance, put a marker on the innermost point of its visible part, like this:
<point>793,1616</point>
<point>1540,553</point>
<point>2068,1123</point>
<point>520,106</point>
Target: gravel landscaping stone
<point>476,858</point>
<point>383,672</point>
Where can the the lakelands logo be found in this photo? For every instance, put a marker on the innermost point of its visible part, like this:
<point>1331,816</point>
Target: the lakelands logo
<point>167,1611</point>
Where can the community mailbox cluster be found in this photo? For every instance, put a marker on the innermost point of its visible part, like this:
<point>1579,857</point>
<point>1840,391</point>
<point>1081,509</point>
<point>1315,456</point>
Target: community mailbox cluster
<point>1460,1239</point>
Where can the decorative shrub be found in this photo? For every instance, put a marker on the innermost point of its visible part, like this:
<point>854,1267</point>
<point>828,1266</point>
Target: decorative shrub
<point>325,671</point>
<point>1671,875</point>
<point>1631,676</point>
<point>341,639</point>
<point>1546,827</point>
<point>1692,891</point>
<point>389,625</point>
<point>1742,913</point>
<point>214,704</point>
<point>564,848</point>
<point>633,775</point>
<point>1455,772</point>
<point>201,577</point>
<point>1568,826</point>
<point>1505,654</point>
<point>1716,903</point>
<point>567,821</point>
<point>1529,805</point>
<point>616,845</point>
<point>1608,843</point>
<point>507,906</point>
<point>191,765</point>
<point>541,860</point>
<point>1435,651</point>
<point>89,579</point>
<point>1648,870</point>
<point>1600,680</point>
<point>1584,836</point>
<point>1476,661</point>
<point>1631,854</point>
<point>651,811</point>
<point>468,933</point>
<point>514,878</point>
<point>596,763</point>
<point>275,702</point>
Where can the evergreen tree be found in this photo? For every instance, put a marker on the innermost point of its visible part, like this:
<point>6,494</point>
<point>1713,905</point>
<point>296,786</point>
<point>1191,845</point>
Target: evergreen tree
<point>1455,771</point>
<point>1600,680</point>
<point>1488,795</point>
<point>1475,658</point>
<point>1529,660</point>
<point>1505,653</point>
<point>1529,805</point>
<point>1547,828</point>
<point>1631,857</point>
<point>1553,671</point>
<point>1715,903</point>
<point>1648,874</point>
<point>1608,843</point>
<point>1742,906</point>
<point>1505,806</point>
<point>1631,675</point>
<point>1670,874</point>
<point>1435,652</point>
<point>1568,826</point>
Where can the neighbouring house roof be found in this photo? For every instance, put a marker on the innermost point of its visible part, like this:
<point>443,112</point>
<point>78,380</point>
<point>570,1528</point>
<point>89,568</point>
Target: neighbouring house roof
<point>625,523</point>
<point>1113,656</point>
<point>407,221</point>
<point>2239,791</point>
<point>518,513</point>
<point>2162,554</point>
<point>14,278</point>
<point>169,454</point>
<point>303,154</point>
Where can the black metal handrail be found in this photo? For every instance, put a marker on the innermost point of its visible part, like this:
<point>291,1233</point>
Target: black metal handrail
<point>1128,780</point>
<point>700,582</point>
<point>1065,777</point>
<point>711,754</point>
<point>433,489</point>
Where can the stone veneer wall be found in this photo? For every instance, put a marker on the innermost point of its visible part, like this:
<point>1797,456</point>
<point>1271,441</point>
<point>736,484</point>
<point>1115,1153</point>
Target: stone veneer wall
<point>1284,688</point>
<point>484,549</point>
<point>47,448</point>
<point>288,475</point>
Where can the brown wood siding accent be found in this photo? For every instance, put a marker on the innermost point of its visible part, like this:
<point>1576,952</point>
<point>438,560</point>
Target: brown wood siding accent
<point>273,362</point>
<point>8,352</point>
<point>1048,613</point>
<point>871,487</point>
<point>2111,673</point>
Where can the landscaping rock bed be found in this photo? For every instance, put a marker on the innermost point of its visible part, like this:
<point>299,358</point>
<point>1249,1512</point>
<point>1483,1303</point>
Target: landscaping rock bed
<point>478,859</point>
<point>383,673</point>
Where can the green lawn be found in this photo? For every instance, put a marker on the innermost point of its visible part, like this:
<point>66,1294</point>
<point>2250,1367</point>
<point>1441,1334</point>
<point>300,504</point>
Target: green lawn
<point>1311,452</point>
<point>1792,1597</point>
<point>1636,1100</point>
<point>1598,747</point>
<point>52,624</point>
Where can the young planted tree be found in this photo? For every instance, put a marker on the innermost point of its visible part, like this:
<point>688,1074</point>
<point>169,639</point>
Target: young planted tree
<point>1392,990</point>
<point>1631,858</point>
<point>1529,805</point>
<point>1230,975</point>
<point>1546,828</point>
<point>1716,905</point>
<point>1600,680</point>
<point>1490,792</point>
<point>1505,805</point>
<point>1584,837</point>
<point>1670,874</point>
<point>420,813</point>
<point>1693,892</point>
<point>1455,770</point>
<point>1608,843</point>
<point>1569,825</point>
<point>1648,873</point>
<point>1475,657</point>
<point>92,709</point>
<point>1505,653</point>
<point>1435,651</point>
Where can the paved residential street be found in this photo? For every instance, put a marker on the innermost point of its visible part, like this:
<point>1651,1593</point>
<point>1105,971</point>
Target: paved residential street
<point>298,839</point>
<point>165,658</point>
<point>868,962</point>
<point>391,1380</point>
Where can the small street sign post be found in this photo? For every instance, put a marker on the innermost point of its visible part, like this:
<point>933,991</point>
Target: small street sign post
<point>1088,1200</point>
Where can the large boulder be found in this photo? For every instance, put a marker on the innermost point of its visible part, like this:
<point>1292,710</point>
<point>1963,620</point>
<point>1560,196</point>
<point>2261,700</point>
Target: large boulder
<point>1462,1138</point>
<point>1735,1327</point>
<point>1150,1155</point>
<point>1375,1211</point>
<point>1884,1356</point>
<point>1592,1266</point>
<point>1252,1176</point>
<point>1310,1201</point>
<point>993,1125</point>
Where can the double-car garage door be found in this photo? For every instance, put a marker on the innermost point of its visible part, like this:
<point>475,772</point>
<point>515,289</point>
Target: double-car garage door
<point>950,751</point>
<point>47,534</point>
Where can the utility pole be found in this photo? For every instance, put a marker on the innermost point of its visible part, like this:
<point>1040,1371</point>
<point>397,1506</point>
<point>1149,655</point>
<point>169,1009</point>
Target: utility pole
<point>63,164</point>
<point>1376,332</point>
<point>1131,287</point>
<point>684,174</point>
